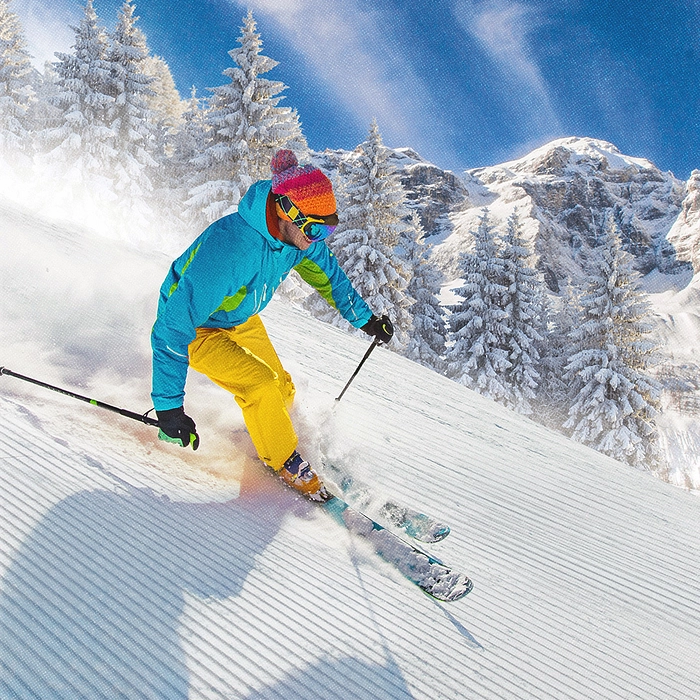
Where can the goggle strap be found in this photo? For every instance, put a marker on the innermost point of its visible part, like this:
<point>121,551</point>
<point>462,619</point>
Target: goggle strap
<point>290,209</point>
<point>299,219</point>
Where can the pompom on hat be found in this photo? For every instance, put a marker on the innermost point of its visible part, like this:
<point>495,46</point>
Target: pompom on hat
<point>309,189</point>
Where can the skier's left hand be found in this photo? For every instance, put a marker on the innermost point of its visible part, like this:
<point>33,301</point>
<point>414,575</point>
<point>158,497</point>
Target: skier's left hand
<point>381,328</point>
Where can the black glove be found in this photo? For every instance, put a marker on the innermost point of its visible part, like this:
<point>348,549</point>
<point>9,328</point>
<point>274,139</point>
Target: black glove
<point>176,426</point>
<point>380,328</point>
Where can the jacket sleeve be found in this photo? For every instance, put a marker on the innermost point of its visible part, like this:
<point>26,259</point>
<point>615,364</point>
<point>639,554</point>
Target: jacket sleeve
<point>195,297</point>
<point>321,270</point>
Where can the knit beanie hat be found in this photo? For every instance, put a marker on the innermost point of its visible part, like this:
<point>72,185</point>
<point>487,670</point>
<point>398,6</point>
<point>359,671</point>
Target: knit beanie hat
<point>306,186</point>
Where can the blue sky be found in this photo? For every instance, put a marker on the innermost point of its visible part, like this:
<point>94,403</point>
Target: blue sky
<point>465,83</point>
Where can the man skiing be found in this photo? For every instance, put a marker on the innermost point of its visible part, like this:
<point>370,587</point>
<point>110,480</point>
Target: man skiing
<point>209,305</point>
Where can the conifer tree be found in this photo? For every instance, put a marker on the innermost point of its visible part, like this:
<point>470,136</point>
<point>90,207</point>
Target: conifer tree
<point>42,113</point>
<point>169,130</point>
<point>478,356</point>
<point>614,401</point>
<point>78,150</point>
<point>187,143</point>
<point>366,241</point>
<point>16,93</point>
<point>190,137</point>
<point>246,126</point>
<point>523,309</point>
<point>163,98</point>
<point>555,350</point>
<point>130,118</point>
<point>164,103</point>
<point>427,343</point>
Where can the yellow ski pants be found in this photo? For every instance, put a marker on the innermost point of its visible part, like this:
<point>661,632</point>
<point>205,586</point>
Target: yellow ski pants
<point>243,361</point>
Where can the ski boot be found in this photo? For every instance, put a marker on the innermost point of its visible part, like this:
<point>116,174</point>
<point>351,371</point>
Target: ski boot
<point>297,473</point>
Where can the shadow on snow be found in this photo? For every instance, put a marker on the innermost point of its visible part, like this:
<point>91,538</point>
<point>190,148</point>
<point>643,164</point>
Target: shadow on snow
<point>92,604</point>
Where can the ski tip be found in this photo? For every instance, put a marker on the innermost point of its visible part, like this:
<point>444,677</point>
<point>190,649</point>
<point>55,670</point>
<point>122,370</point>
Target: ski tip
<point>447,591</point>
<point>439,533</point>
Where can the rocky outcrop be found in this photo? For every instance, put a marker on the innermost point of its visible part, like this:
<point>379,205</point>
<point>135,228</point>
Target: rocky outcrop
<point>432,192</point>
<point>684,235</point>
<point>564,193</point>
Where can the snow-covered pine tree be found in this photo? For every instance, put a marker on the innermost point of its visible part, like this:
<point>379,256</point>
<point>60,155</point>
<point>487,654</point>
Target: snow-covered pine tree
<point>164,99</point>
<point>131,119</point>
<point>555,350</point>
<point>427,343</point>
<point>365,242</point>
<point>190,138</point>
<point>614,400</point>
<point>77,151</point>
<point>478,355</point>
<point>168,109</point>
<point>16,93</point>
<point>246,125</point>
<point>187,143</point>
<point>42,113</point>
<point>523,317</point>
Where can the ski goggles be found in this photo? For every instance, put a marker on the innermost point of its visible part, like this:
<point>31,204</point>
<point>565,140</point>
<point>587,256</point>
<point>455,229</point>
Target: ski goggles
<point>314,226</point>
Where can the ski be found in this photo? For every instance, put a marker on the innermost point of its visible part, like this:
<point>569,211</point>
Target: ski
<point>393,514</point>
<point>421,568</point>
<point>415,524</point>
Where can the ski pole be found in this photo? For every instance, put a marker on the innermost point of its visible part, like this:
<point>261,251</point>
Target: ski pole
<point>374,344</point>
<point>143,418</point>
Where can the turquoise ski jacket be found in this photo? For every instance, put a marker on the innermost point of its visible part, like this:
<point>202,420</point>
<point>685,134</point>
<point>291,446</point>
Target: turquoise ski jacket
<point>227,275</point>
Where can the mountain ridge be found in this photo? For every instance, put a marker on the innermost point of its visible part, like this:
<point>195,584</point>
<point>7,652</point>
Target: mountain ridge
<point>563,190</point>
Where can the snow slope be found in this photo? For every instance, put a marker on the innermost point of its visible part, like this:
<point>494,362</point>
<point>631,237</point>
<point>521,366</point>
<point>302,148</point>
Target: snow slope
<point>132,569</point>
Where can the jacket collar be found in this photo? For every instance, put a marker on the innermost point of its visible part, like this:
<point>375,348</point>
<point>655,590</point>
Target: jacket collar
<point>253,209</point>
<point>271,218</point>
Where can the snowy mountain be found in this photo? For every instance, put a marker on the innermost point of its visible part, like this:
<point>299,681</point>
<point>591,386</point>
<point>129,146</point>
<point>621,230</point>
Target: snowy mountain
<point>563,192</point>
<point>130,568</point>
<point>434,193</point>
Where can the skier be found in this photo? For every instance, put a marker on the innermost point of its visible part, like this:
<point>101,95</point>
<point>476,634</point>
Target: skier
<point>209,305</point>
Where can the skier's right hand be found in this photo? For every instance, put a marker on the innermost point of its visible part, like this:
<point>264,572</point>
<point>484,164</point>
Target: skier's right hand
<point>176,426</point>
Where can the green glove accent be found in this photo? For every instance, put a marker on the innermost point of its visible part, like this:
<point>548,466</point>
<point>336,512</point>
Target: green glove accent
<point>175,426</point>
<point>176,441</point>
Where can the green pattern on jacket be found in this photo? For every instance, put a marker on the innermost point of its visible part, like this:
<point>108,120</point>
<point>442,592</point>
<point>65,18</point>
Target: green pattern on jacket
<point>312,274</point>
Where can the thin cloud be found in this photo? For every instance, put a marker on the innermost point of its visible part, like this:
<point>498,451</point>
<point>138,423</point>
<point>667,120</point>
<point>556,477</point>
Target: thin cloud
<point>504,31</point>
<point>349,50</point>
<point>345,47</point>
<point>46,27</point>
